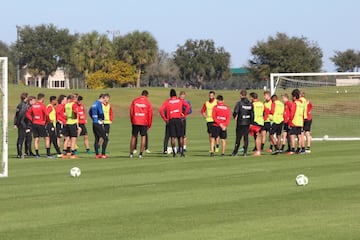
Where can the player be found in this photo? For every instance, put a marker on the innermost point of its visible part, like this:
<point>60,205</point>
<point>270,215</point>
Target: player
<point>307,123</point>
<point>172,112</point>
<point>141,115</point>
<point>97,115</point>
<point>206,112</point>
<point>286,115</point>
<point>71,128</point>
<point>60,118</point>
<point>277,113</point>
<point>51,126</point>
<point>243,113</point>
<point>267,121</point>
<point>82,130</point>
<point>221,116</point>
<point>28,132</point>
<point>182,95</point>
<point>296,122</point>
<point>258,122</point>
<point>37,115</point>
<point>108,115</point>
<point>19,123</point>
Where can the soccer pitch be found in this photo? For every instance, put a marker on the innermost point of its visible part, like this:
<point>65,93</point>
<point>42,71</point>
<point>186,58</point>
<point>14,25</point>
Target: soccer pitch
<point>197,197</point>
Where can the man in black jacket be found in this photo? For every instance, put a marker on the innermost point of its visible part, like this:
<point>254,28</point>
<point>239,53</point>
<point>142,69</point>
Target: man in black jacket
<point>20,124</point>
<point>243,113</point>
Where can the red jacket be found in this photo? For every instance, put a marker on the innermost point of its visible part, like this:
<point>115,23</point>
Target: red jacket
<point>60,114</point>
<point>287,111</point>
<point>309,108</point>
<point>221,114</point>
<point>37,113</point>
<point>141,112</point>
<point>174,108</point>
<point>81,114</point>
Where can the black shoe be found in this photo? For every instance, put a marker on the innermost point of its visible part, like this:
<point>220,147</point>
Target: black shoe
<point>20,156</point>
<point>174,154</point>
<point>276,152</point>
<point>182,155</point>
<point>233,154</point>
<point>212,154</point>
<point>223,155</point>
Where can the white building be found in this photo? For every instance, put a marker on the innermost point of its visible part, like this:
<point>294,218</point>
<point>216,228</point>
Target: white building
<point>58,80</point>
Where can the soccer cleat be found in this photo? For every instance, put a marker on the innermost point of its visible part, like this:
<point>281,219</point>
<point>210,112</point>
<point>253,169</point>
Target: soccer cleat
<point>182,154</point>
<point>37,156</point>
<point>244,154</point>
<point>140,156</point>
<point>59,155</point>
<point>165,152</point>
<point>104,156</point>
<point>89,152</point>
<point>131,155</point>
<point>290,153</point>
<point>147,151</point>
<point>234,154</point>
<point>64,156</point>
<point>174,154</point>
<point>98,156</point>
<point>212,154</point>
<point>76,152</point>
<point>50,156</point>
<point>73,156</point>
<point>257,154</point>
<point>20,156</point>
<point>223,155</point>
<point>276,152</point>
<point>269,150</point>
<point>217,149</point>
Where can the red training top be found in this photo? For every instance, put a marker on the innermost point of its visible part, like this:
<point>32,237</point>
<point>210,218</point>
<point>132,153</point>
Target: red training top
<point>141,112</point>
<point>81,114</point>
<point>309,108</point>
<point>287,111</point>
<point>60,114</point>
<point>221,114</point>
<point>37,113</point>
<point>173,108</point>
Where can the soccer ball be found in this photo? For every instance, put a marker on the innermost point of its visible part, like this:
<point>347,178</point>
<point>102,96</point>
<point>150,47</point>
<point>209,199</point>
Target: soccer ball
<point>75,172</point>
<point>301,180</point>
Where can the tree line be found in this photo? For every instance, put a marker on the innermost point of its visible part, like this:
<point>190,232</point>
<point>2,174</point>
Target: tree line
<point>136,59</point>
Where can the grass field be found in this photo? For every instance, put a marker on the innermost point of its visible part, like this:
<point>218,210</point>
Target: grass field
<point>197,197</point>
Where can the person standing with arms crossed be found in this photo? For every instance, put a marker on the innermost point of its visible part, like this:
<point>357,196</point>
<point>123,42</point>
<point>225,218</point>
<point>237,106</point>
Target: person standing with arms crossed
<point>141,114</point>
<point>258,122</point>
<point>51,126</point>
<point>206,112</point>
<point>172,112</point>
<point>243,113</point>
<point>19,123</point>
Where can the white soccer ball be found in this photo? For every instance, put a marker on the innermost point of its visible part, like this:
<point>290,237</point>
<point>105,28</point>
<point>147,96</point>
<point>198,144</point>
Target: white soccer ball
<point>326,137</point>
<point>301,180</point>
<point>75,172</point>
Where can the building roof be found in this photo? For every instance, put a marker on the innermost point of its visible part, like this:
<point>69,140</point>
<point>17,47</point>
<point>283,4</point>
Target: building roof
<point>239,71</point>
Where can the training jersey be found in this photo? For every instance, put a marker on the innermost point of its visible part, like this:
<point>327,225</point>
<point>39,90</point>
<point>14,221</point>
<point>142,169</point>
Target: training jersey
<point>51,114</point>
<point>141,112</point>
<point>287,111</point>
<point>37,113</point>
<point>297,114</point>
<point>81,114</point>
<point>207,108</point>
<point>277,112</point>
<point>221,114</point>
<point>71,109</point>
<point>108,113</point>
<point>259,111</point>
<point>308,110</point>
<point>267,108</point>
<point>243,112</point>
<point>60,114</point>
<point>174,108</point>
<point>304,102</point>
<point>96,112</point>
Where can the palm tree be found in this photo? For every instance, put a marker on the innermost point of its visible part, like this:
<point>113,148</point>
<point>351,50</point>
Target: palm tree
<point>138,49</point>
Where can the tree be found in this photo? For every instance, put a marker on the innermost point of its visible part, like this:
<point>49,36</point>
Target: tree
<point>138,49</point>
<point>119,72</point>
<point>6,51</point>
<point>200,61</point>
<point>347,61</point>
<point>44,48</point>
<point>162,70</point>
<point>284,54</point>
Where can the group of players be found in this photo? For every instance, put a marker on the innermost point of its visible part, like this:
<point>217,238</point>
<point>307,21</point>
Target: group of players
<point>64,119</point>
<point>60,123</point>
<point>284,121</point>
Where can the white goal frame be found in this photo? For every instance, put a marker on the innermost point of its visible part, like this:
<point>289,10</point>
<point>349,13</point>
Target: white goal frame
<point>276,77</point>
<point>4,96</point>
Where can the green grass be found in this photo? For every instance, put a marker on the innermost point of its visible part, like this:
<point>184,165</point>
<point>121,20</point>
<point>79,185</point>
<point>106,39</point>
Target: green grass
<point>197,197</point>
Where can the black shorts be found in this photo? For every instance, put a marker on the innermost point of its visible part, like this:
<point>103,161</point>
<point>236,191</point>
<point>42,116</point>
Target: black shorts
<point>242,130</point>
<point>138,129</point>
<point>71,130</point>
<point>107,129</point>
<point>307,125</point>
<point>218,132</point>
<point>176,127</point>
<point>266,127</point>
<point>59,130</point>
<point>209,126</point>
<point>50,129</point>
<point>184,127</point>
<point>295,130</point>
<point>276,129</point>
<point>99,131</point>
<point>83,129</point>
<point>39,131</point>
<point>286,127</point>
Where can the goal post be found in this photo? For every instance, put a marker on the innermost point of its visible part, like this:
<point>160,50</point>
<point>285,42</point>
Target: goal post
<point>4,115</point>
<point>335,97</point>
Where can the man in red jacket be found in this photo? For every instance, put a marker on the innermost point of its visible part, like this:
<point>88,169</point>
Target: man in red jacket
<point>82,130</point>
<point>141,115</point>
<point>221,115</point>
<point>37,115</point>
<point>173,111</point>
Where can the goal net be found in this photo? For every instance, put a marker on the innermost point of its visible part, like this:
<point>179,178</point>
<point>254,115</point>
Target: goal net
<point>4,116</point>
<point>335,98</point>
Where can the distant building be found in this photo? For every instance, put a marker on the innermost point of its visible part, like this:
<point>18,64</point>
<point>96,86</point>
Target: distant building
<point>56,81</point>
<point>239,71</point>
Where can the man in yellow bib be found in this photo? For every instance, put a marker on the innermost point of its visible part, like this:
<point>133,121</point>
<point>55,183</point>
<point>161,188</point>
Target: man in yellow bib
<point>206,111</point>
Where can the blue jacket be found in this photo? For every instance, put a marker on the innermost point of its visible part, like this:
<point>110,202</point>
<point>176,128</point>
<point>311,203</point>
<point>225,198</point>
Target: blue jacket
<point>96,112</point>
